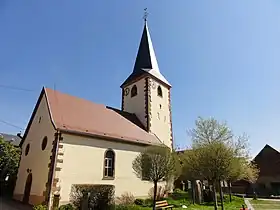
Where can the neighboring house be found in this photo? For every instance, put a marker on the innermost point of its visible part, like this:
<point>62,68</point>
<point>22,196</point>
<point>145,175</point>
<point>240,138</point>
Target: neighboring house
<point>268,161</point>
<point>15,140</point>
<point>268,182</point>
<point>70,140</point>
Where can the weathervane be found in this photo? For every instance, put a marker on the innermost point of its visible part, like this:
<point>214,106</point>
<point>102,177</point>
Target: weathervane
<point>145,14</point>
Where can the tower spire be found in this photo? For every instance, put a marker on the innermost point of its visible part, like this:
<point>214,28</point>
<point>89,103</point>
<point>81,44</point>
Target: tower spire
<point>146,61</point>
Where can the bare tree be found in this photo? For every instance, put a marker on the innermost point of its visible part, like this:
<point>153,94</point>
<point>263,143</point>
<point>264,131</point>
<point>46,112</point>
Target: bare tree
<point>155,164</point>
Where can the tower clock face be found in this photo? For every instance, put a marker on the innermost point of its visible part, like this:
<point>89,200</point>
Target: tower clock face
<point>126,91</point>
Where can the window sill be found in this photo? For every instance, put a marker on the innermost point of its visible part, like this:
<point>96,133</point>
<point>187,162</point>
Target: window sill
<point>108,178</point>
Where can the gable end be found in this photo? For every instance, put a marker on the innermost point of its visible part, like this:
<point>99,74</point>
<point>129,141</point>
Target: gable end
<point>43,92</point>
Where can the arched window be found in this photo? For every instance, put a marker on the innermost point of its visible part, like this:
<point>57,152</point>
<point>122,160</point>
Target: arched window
<point>134,91</point>
<point>159,91</point>
<point>109,164</point>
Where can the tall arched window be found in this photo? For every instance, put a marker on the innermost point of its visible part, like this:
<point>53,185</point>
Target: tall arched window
<point>109,164</point>
<point>159,91</point>
<point>134,91</point>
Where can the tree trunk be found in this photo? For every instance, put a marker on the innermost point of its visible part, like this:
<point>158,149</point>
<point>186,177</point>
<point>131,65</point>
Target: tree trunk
<point>155,195</point>
<point>202,191</point>
<point>193,191</point>
<point>215,196</point>
<point>229,190</point>
<point>221,195</point>
<point>198,192</point>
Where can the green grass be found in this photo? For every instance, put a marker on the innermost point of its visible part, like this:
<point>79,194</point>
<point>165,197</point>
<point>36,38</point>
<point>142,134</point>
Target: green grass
<point>183,199</point>
<point>265,204</point>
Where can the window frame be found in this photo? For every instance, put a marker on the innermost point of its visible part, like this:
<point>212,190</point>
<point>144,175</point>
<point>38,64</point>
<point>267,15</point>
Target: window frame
<point>27,149</point>
<point>133,91</point>
<point>159,91</point>
<point>44,143</point>
<point>109,164</point>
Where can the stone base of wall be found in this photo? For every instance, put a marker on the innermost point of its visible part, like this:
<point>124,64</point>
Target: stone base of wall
<point>33,199</point>
<point>18,197</point>
<point>63,202</point>
<point>36,199</point>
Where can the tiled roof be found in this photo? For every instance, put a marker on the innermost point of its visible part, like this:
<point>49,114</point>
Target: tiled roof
<point>73,114</point>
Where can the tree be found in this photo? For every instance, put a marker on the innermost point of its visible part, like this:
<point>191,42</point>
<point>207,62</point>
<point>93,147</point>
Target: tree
<point>9,159</point>
<point>191,168</point>
<point>154,164</point>
<point>9,162</point>
<point>214,161</point>
<point>218,153</point>
<point>242,169</point>
<point>207,131</point>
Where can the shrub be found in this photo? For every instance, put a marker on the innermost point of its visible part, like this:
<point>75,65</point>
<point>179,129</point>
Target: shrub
<point>99,197</point>
<point>125,199</point>
<point>66,207</point>
<point>139,202</point>
<point>40,207</point>
<point>160,193</point>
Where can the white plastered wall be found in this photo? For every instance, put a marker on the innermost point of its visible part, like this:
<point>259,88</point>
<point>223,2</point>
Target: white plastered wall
<point>37,159</point>
<point>83,161</point>
<point>136,104</point>
<point>160,113</point>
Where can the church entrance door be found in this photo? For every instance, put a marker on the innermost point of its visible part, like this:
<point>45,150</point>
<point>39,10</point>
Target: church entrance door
<point>27,189</point>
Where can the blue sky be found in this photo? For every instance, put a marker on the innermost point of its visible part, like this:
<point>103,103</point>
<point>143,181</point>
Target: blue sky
<point>222,58</point>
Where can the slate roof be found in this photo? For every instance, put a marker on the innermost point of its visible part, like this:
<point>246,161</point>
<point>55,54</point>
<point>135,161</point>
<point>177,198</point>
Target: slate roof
<point>14,139</point>
<point>146,61</point>
<point>79,116</point>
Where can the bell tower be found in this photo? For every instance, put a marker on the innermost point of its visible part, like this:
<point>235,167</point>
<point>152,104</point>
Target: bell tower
<point>146,92</point>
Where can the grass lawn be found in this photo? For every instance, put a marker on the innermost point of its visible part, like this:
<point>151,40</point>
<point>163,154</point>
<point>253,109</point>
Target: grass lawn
<point>183,199</point>
<point>233,206</point>
<point>236,204</point>
<point>265,204</point>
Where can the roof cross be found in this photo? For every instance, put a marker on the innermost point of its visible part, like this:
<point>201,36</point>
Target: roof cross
<point>145,15</point>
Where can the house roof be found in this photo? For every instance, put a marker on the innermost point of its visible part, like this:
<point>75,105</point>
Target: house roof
<point>15,140</point>
<point>266,148</point>
<point>146,61</point>
<point>268,161</point>
<point>79,116</point>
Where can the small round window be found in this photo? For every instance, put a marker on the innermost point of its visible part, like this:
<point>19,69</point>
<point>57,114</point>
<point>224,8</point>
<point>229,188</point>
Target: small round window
<point>44,143</point>
<point>27,148</point>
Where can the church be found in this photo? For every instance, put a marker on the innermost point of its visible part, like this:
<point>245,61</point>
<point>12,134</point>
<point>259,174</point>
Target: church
<point>70,140</point>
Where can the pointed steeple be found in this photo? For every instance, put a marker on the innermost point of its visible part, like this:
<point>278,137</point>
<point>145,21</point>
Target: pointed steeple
<point>146,62</point>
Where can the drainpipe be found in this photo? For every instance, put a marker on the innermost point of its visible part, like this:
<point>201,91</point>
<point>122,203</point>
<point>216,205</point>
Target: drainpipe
<point>57,137</point>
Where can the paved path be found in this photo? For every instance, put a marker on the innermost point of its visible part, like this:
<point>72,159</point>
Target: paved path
<point>249,206</point>
<point>6,204</point>
<point>267,199</point>
<point>262,205</point>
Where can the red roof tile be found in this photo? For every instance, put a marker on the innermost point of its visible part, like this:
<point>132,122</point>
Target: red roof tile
<point>73,114</point>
